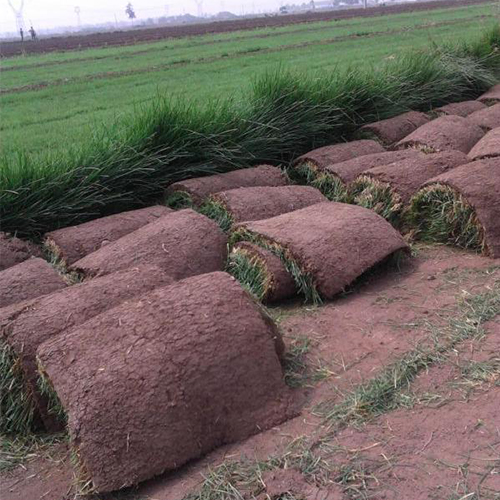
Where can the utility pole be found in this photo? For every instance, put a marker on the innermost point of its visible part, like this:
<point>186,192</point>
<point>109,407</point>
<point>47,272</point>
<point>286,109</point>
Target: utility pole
<point>18,13</point>
<point>78,19</point>
<point>199,4</point>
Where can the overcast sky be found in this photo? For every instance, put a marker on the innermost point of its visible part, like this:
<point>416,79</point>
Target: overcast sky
<point>52,13</point>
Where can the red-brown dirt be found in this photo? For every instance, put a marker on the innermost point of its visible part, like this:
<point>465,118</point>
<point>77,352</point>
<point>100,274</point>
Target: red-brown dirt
<point>14,250</point>
<point>27,280</point>
<point>352,338</point>
<point>79,42</point>
<point>200,188</point>
<point>328,155</point>
<point>183,370</point>
<point>73,243</point>
<point>446,133</point>
<point>463,109</point>
<point>394,129</point>
<point>407,176</point>
<point>487,147</point>
<point>257,203</point>
<point>491,96</point>
<point>487,118</point>
<point>183,243</point>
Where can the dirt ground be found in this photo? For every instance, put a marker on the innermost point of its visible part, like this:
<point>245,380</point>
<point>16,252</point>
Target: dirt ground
<point>435,438</point>
<point>130,37</point>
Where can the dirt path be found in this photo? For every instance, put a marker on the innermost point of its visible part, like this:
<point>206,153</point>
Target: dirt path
<point>78,42</point>
<point>445,421</point>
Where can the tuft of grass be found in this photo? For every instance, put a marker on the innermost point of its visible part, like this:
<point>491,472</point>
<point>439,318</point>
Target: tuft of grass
<point>377,196</point>
<point>16,403</point>
<point>216,211</point>
<point>250,272</point>
<point>304,280</point>
<point>179,200</point>
<point>18,450</point>
<point>54,405</point>
<point>295,364</point>
<point>440,214</point>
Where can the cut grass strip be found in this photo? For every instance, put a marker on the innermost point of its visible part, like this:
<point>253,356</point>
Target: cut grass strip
<point>440,214</point>
<point>16,403</point>
<point>378,196</point>
<point>251,272</point>
<point>218,212</point>
<point>383,393</point>
<point>179,200</point>
<point>331,186</point>
<point>304,280</point>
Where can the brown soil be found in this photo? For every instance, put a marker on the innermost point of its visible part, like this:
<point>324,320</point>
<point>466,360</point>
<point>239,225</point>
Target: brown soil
<point>168,390</point>
<point>79,42</point>
<point>492,96</point>
<point>27,280</point>
<point>257,203</point>
<point>446,133</point>
<point>487,147</point>
<point>406,177</point>
<point>334,242</point>
<point>201,187</point>
<point>281,285</point>
<point>394,129</point>
<point>26,325</point>
<point>182,243</point>
<point>351,338</point>
<point>348,170</point>
<point>463,109</point>
<point>328,155</point>
<point>73,243</point>
<point>487,118</point>
<point>479,183</point>
<point>13,250</point>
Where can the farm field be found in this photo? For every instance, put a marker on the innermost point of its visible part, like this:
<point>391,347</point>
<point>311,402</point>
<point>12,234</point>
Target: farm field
<point>53,100</point>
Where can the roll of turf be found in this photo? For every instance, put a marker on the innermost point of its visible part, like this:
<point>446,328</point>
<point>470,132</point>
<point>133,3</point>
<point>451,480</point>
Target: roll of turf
<point>193,192</point>
<point>461,207</point>
<point>171,376</point>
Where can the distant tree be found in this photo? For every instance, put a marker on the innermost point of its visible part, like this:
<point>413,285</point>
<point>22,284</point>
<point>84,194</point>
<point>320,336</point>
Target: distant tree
<point>130,11</point>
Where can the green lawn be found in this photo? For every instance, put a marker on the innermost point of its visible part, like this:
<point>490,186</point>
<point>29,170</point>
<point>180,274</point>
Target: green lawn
<point>89,87</point>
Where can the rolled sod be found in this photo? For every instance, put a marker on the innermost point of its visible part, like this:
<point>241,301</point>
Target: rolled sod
<point>333,180</point>
<point>324,247</point>
<point>73,243</point>
<point>487,147</point>
<point>24,326</point>
<point>193,192</point>
<point>461,207</point>
<point>492,96</point>
<point>256,203</point>
<point>487,119</point>
<point>261,272</point>
<point>182,243</point>
<point>13,250</point>
<point>308,168</point>
<point>27,280</point>
<point>393,129</point>
<point>183,370</point>
<point>387,189</point>
<point>446,133</point>
<point>463,109</point>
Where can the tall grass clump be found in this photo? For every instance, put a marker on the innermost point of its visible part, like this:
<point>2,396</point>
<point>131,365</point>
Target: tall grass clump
<point>286,114</point>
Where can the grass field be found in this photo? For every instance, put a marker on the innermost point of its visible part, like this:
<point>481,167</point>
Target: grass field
<point>53,100</point>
